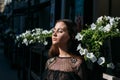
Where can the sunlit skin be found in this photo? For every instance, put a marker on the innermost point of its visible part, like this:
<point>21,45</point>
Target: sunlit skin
<point>60,38</point>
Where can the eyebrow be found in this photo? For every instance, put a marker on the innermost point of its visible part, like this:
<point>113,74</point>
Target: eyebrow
<point>58,28</point>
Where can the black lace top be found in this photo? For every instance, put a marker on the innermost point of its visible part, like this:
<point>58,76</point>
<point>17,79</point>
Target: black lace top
<point>64,68</point>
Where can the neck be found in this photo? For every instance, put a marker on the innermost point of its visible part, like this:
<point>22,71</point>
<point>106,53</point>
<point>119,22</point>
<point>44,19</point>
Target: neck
<point>63,53</point>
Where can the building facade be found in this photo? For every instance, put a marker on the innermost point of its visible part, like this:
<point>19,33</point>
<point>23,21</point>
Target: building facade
<point>22,15</point>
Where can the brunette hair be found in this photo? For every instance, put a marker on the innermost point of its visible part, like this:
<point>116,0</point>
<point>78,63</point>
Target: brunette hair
<point>72,43</point>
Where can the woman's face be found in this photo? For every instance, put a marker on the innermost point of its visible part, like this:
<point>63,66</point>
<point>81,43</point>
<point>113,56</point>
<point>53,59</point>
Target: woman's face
<point>60,34</point>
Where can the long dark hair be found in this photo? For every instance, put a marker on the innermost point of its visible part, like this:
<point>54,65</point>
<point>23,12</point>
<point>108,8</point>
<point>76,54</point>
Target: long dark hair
<point>72,43</point>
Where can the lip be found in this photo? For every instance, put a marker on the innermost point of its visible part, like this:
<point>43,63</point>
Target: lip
<point>54,39</point>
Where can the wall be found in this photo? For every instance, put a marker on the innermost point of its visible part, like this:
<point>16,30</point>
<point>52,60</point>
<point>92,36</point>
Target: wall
<point>115,8</point>
<point>105,7</point>
<point>100,8</point>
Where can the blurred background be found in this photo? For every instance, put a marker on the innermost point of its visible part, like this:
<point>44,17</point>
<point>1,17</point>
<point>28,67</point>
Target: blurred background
<point>17,16</point>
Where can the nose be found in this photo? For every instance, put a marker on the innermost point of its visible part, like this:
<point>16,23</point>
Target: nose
<point>54,33</point>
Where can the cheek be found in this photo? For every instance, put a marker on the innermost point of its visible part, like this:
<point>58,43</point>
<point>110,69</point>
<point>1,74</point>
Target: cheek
<point>64,39</point>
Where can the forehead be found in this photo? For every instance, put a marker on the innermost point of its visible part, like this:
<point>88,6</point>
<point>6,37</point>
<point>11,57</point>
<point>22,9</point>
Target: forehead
<point>60,25</point>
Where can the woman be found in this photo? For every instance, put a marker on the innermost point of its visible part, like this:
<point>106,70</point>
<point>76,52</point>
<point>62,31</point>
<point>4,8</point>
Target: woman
<point>65,62</point>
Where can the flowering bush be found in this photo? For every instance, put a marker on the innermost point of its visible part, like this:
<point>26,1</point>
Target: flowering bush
<point>33,36</point>
<point>93,37</point>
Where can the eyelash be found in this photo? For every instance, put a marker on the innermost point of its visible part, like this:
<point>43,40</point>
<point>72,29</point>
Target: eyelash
<point>59,31</point>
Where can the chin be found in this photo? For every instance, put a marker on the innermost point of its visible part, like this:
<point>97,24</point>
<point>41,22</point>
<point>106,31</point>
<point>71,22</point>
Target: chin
<point>54,43</point>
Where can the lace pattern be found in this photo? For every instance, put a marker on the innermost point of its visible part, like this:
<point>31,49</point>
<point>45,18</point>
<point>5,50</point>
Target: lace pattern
<point>64,68</point>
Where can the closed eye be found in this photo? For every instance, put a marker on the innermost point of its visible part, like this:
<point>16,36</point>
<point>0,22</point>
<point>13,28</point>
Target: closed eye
<point>58,30</point>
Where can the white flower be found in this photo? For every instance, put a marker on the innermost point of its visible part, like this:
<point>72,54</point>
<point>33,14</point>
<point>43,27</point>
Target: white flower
<point>17,37</point>
<point>31,41</point>
<point>79,47</point>
<point>45,32</point>
<point>93,38</point>
<point>117,30</point>
<point>25,41</point>
<point>101,28</point>
<point>107,17</point>
<point>91,56</point>
<point>83,51</point>
<point>51,30</point>
<point>27,32</point>
<point>45,43</point>
<point>79,36</point>
<point>111,65</point>
<point>107,28</point>
<point>117,18</point>
<point>33,36</point>
<point>100,43</point>
<point>37,30</point>
<point>101,60</point>
<point>37,37</point>
<point>93,26</point>
<point>112,20</point>
<point>99,19</point>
